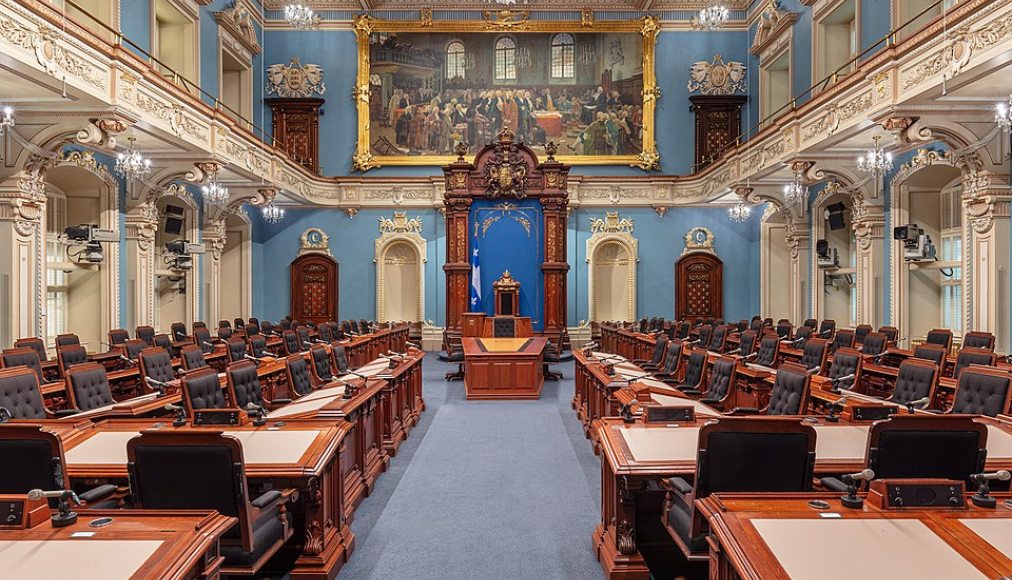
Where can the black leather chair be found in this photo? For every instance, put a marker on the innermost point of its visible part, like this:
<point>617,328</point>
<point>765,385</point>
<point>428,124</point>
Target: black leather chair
<point>843,339</point>
<point>742,325</point>
<point>811,323</point>
<point>660,345</point>
<point>88,387</point>
<point>915,380</point>
<point>455,356</point>
<point>737,455</point>
<point>23,357</point>
<point>70,355</point>
<point>67,340</point>
<point>202,390</point>
<point>32,458</point>
<point>239,324</point>
<point>321,364</point>
<point>784,329</point>
<point>874,344</point>
<point>225,332</point>
<point>252,329</point>
<point>769,348</point>
<point>236,349</point>
<point>503,327</point>
<point>163,341</point>
<point>695,369</point>
<point>323,332</point>
<point>682,330</point>
<point>813,356</point>
<point>801,336</point>
<point>347,328</point>
<point>789,395</point>
<point>365,326</point>
<point>720,384</point>
<point>746,343</point>
<point>335,331</point>
<point>553,355</point>
<point>339,357</point>
<point>291,342</point>
<point>202,338</point>
<point>924,447</point>
<point>940,336</point>
<point>132,348</point>
<point>668,371</point>
<point>177,332</point>
<point>20,396</point>
<point>244,385</point>
<point>224,324</point>
<point>891,332</point>
<point>984,340</point>
<point>705,332</point>
<point>199,324</point>
<point>267,328</point>
<point>35,344</point>
<point>191,358</point>
<point>302,332</point>
<point>145,333</point>
<point>300,379</point>
<point>756,323</point>
<point>847,362</point>
<point>118,336</point>
<point>156,364</point>
<point>206,470</point>
<point>717,339</point>
<point>861,331</point>
<point>972,356</point>
<point>285,324</point>
<point>933,352</point>
<point>827,328</point>
<point>253,320</point>
<point>258,345</point>
<point>982,391</point>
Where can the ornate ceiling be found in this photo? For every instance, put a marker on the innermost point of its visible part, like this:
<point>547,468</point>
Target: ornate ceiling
<point>560,5</point>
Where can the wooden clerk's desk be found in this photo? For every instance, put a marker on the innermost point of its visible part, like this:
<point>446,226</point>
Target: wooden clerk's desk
<point>635,457</point>
<point>759,537</point>
<point>504,368</point>
<point>162,544</point>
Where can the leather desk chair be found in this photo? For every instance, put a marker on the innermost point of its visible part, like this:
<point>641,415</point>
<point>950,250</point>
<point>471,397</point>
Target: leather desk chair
<point>336,333</point>
<point>339,357</point>
<point>224,324</point>
<point>199,324</point>
<point>192,358</point>
<point>917,379</point>
<point>935,353</point>
<point>892,333</point>
<point>940,336</point>
<point>163,341</point>
<point>267,328</point>
<point>982,391</point>
<point>88,387</point>
<point>67,340</point>
<point>300,379</point>
<point>321,368</point>
<point>132,348</point>
<point>118,336</point>
<point>874,344</point>
<point>206,470</point>
<point>365,326</point>
<point>20,394</point>
<point>813,356</point>
<point>861,331</point>
<point>737,455</point>
<point>746,344</point>
<point>720,384</point>
<point>553,355</point>
<point>756,324</point>
<point>784,329</point>
<point>843,339</point>
<point>35,344</point>
<point>145,333</point>
<point>717,339</point>
<point>346,327</point>
<point>177,331</point>
<point>244,386</point>
<point>455,355</point>
<point>285,324</point>
<point>258,345</point>
<point>811,323</point>
<point>789,395</point>
<point>503,327</point>
<point>660,345</point>
<point>847,362</point>
<point>801,336</point>
<point>695,369</point>
<point>202,390</point>
<point>236,349</point>
<point>23,357</point>
<point>984,340</point>
<point>70,355</point>
<point>225,332</point>
<point>972,356</point>
<point>827,328</point>
<point>252,329</point>
<point>323,332</point>
<point>238,324</point>
<point>682,330</point>
<point>668,370</point>
<point>291,342</point>
<point>705,333</point>
<point>304,341</point>
<point>202,339</point>
<point>156,364</point>
<point>769,349</point>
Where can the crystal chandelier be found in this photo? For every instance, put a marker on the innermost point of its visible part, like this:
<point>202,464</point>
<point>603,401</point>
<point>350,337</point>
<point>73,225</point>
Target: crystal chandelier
<point>272,213</point>
<point>1003,115</point>
<point>300,16</point>
<point>504,2</point>
<point>131,164</point>
<point>711,17</point>
<point>739,212</point>
<point>214,192</point>
<point>876,160</point>
<point>6,118</point>
<point>795,192</point>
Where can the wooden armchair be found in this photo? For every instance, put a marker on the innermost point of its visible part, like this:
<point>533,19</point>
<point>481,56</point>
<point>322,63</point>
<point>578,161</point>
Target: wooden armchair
<point>202,390</point>
<point>720,384</point>
<point>984,340</point>
<point>789,395</point>
<point>983,390</point>
<point>20,394</point>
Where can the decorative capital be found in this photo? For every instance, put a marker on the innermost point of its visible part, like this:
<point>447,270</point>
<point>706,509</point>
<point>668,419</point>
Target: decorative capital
<point>101,132</point>
<point>362,24</point>
<point>202,171</point>
<point>649,25</point>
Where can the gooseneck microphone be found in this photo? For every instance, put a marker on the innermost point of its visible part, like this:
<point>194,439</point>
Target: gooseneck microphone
<point>412,344</point>
<point>261,414</point>
<point>65,516</point>
<point>851,500</point>
<point>917,404</point>
<point>5,414</point>
<point>832,417</point>
<point>836,382</point>
<point>179,412</point>
<point>156,385</point>
<point>127,359</point>
<point>983,496</point>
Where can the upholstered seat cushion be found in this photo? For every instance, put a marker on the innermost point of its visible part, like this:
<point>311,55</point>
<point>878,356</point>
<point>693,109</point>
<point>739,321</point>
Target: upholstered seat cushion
<point>158,366</point>
<point>26,465</point>
<point>981,394</point>
<point>913,383</point>
<point>267,529</point>
<point>20,395</point>
<point>205,392</point>
<point>785,398</point>
<point>298,372</point>
<point>680,520</point>
<point>91,389</point>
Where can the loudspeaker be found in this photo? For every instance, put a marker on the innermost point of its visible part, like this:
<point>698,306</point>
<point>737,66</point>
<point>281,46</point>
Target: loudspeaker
<point>836,221</point>
<point>173,220</point>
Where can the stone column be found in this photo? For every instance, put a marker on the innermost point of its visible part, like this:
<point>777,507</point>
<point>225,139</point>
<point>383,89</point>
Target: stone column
<point>986,199</point>
<point>799,242</point>
<point>214,240</point>
<point>869,233</point>
<point>22,257</point>
<point>141,226</point>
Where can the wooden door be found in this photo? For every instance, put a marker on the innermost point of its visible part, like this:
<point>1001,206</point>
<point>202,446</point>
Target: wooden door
<point>314,288</point>
<point>699,287</point>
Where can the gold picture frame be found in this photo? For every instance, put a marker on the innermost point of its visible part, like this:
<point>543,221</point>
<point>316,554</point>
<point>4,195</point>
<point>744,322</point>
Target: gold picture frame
<point>518,22</point>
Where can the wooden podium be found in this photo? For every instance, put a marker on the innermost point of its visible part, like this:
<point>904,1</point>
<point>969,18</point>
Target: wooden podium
<point>472,324</point>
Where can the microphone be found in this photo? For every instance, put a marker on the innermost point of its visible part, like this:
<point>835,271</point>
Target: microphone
<point>836,382</point>
<point>180,335</point>
<point>625,411</point>
<point>127,359</point>
<point>637,377</point>
<point>64,517</point>
<point>851,500</point>
<point>261,414</point>
<point>750,356</point>
<point>180,414</point>
<point>413,345</point>
<point>157,385</point>
<point>918,404</point>
<point>253,358</point>
<point>207,344</point>
<point>814,370</point>
<point>5,414</point>
<point>983,498</point>
<point>832,417</point>
<point>307,344</point>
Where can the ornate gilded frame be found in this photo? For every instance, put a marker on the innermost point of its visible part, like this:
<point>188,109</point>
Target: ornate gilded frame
<point>498,21</point>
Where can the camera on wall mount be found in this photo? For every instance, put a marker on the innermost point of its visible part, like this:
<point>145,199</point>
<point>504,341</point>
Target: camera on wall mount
<point>826,257</point>
<point>84,242</point>
<point>917,245</point>
<point>179,254</point>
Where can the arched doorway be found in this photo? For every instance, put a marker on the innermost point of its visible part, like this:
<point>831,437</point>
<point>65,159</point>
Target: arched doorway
<point>314,288</point>
<point>699,286</point>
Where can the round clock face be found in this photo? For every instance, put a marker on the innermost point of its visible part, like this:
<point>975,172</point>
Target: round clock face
<point>315,237</point>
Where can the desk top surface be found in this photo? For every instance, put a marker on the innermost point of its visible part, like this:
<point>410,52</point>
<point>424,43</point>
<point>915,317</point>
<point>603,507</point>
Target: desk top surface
<point>534,345</point>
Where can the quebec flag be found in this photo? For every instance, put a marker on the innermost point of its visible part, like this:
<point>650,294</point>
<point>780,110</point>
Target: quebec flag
<point>475,279</point>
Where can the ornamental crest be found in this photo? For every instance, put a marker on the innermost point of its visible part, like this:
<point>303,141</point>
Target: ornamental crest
<point>717,78</point>
<point>506,173</point>
<point>698,239</point>
<point>611,224</point>
<point>314,240</point>
<point>295,80</point>
<point>400,224</point>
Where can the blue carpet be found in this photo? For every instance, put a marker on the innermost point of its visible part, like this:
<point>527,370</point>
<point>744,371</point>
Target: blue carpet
<point>498,490</point>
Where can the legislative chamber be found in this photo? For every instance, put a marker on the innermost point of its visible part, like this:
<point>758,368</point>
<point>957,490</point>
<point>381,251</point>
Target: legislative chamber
<point>552,289</point>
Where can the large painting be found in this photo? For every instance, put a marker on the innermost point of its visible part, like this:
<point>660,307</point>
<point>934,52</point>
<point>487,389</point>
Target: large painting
<point>426,86</point>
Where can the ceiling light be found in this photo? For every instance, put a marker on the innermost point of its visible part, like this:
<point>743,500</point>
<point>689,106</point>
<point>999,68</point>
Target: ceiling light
<point>301,17</point>
<point>876,160</point>
<point>131,164</point>
<point>739,212</point>
<point>6,118</point>
<point>273,214</point>
<point>712,16</point>
<point>1002,115</point>
<point>214,192</point>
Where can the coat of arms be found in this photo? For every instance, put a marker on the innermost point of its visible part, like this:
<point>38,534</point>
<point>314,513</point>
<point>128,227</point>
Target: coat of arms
<point>295,80</point>
<point>717,78</point>
<point>506,172</point>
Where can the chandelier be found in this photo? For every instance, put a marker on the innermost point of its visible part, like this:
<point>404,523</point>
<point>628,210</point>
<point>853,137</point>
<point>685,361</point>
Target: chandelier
<point>504,2</point>
<point>131,164</point>
<point>711,17</point>
<point>214,192</point>
<point>876,160</point>
<point>1002,115</point>
<point>739,212</point>
<point>273,214</point>
<point>795,192</point>
<point>300,16</point>
<point>6,118</point>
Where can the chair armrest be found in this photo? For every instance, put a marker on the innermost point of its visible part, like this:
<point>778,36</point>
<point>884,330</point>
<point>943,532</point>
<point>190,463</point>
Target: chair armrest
<point>266,499</point>
<point>677,485</point>
<point>98,493</point>
<point>711,402</point>
<point>62,413</point>
<point>833,484</point>
<point>684,387</point>
<point>744,411</point>
<point>279,402</point>
<point>688,391</point>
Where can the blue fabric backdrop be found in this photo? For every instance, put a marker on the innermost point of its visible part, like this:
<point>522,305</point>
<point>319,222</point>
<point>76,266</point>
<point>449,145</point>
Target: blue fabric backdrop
<point>509,237</point>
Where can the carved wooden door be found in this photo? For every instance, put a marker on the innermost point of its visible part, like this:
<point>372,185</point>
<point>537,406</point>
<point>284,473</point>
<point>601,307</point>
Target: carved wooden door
<point>296,125</point>
<point>718,124</point>
<point>699,287</point>
<point>314,288</point>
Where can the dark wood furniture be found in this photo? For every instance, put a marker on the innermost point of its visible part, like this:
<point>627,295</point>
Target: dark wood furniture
<point>699,286</point>
<point>718,125</point>
<point>314,288</point>
<point>521,327</point>
<point>507,295</point>
<point>504,368</point>
<point>296,129</point>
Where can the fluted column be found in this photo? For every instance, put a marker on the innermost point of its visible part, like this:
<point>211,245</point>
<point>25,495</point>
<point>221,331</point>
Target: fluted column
<point>799,242</point>
<point>214,240</point>
<point>986,200</point>
<point>141,226</point>
<point>22,257</point>
<point>869,233</point>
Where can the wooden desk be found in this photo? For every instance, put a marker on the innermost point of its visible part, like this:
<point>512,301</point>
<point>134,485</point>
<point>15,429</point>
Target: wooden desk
<point>163,544</point>
<point>756,536</point>
<point>521,326</point>
<point>305,455</point>
<point>504,368</point>
<point>594,393</point>
<point>627,342</point>
<point>635,457</point>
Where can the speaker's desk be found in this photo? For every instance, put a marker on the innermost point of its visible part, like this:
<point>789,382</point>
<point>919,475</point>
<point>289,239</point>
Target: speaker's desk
<point>504,368</point>
<point>756,536</point>
<point>163,544</point>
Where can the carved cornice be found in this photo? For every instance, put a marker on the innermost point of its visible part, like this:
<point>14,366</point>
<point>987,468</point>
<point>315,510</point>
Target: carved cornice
<point>237,22</point>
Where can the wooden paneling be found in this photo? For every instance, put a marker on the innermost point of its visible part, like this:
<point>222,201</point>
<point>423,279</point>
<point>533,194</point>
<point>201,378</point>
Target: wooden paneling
<point>296,124</point>
<point>314,288</point>
<point>718,124</point>
<point>699,286</point>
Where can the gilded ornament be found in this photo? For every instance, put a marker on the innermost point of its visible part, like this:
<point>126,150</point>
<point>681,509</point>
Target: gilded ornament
<point>717,78</point>
<point>296,80</point>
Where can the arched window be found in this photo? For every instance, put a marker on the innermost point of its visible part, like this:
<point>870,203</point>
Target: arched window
<point>455,60</point>
<point>563,56</point>
<point>505,59</point>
